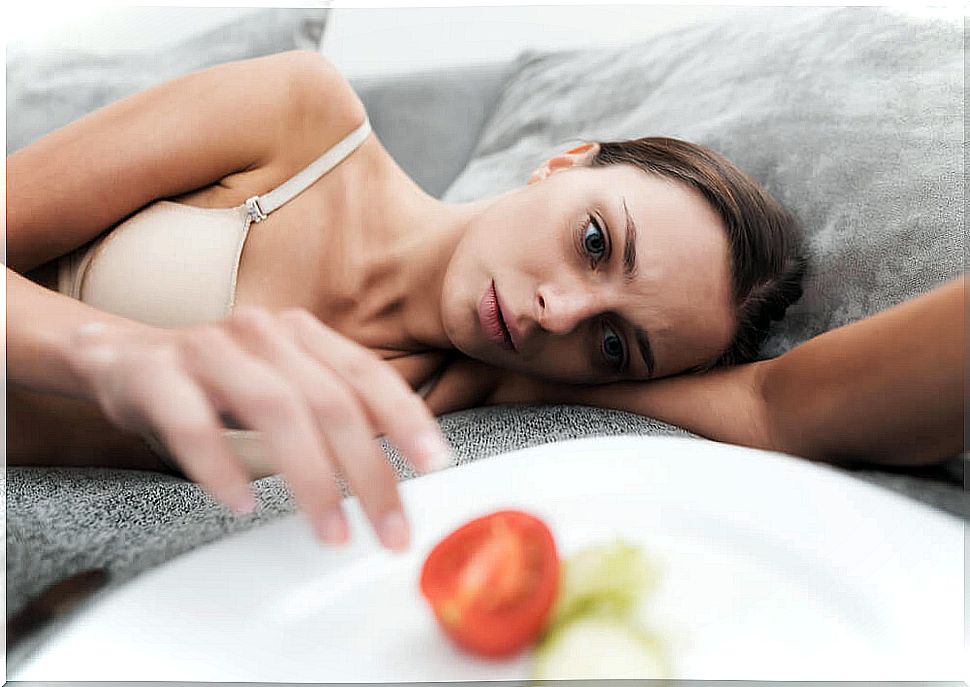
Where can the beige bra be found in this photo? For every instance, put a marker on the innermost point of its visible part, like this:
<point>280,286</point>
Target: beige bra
<point>173,265</point>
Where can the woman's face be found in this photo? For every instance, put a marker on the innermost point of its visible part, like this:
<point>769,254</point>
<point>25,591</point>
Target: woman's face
<point>599,274</point>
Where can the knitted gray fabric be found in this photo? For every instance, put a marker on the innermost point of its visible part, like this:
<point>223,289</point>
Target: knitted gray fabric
<point>64,520</point>
<point>61,521</point>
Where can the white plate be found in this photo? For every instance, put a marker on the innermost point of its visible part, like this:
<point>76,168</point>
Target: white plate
<point>774,569</point>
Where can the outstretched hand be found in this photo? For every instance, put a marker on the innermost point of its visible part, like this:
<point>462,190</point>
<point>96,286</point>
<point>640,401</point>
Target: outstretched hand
<point>317,399</point>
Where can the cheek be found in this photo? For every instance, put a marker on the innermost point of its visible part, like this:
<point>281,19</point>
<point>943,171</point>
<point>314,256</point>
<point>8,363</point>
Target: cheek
<point>530,231</point>
<point>458,303</point>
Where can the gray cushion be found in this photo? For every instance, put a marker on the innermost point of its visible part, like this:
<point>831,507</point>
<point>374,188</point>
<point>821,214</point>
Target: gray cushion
<point>852,117</point>
<point>430,121</point>
<point>48,88</point>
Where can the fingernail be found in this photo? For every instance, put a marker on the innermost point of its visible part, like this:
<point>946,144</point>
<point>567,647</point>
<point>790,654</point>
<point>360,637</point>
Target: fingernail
<point>242,502</point>
<point>393,531</point>
<point>332,528</point>
<point>579,149</point>
<point>435,452</point>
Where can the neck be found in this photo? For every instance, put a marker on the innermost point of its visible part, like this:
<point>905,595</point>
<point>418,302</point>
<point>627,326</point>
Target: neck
<point>400,252</point>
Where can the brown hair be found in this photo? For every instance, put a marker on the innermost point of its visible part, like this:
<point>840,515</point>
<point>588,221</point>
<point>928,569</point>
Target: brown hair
<point>765,239</point>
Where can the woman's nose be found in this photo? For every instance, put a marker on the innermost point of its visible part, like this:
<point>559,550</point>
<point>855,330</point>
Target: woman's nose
<point>562,311</point>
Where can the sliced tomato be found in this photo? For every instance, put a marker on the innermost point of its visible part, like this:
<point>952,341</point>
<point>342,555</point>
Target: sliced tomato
<point>492,582</point>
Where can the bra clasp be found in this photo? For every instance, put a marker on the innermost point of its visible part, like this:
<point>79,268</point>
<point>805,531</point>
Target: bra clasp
<point>256,213</point>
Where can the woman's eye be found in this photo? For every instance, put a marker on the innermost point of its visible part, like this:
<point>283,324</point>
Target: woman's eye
<point>594,240</point>
<point>613,347</point>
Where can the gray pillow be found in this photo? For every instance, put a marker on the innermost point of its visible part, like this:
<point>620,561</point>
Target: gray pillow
<point>851,117</point>
<point>49,88</point>
<point>429,121</point>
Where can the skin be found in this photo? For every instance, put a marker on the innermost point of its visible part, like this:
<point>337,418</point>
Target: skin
<point>823,400</point>
<point>556,295</point>
<point>408,271</point>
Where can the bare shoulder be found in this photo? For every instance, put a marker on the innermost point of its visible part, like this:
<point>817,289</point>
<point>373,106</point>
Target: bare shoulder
<point>293,103</point>
<point>300,107</point>
<point>317,87</point>
<point>296,82</point>
<point>259,118</point>
<point>321,107</point>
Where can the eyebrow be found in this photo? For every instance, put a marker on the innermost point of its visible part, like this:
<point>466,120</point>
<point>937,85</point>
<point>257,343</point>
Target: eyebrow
<point>646,351</point>
<point>629,245</point>
<point>630,271</point>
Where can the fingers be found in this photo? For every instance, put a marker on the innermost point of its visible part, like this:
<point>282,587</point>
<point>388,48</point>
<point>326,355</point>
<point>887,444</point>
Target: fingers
<point>192,433</point>
<point>316,398</point>
<point>262,400</point>
<point>344,428</point>
<point>392,407</point>
<point>141,387</point>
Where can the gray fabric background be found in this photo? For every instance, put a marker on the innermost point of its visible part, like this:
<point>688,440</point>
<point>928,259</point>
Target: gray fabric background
<point>429,134</point>
<point>851,117</point>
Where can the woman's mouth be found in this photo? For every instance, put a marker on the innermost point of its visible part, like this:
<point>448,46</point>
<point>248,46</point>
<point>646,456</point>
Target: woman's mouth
<point>492,321</point>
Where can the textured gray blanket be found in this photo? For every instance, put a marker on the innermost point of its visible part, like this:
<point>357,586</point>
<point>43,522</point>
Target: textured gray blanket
<point>63,521</point>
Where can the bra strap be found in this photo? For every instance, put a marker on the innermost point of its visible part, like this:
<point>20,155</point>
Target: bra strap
<point>260,206</point>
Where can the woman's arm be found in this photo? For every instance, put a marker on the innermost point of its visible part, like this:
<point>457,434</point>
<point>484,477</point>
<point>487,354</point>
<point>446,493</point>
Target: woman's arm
<point>889,389</point>
<point>201,129</point>
<point>40,329</point>
<point>316,398</point>
<point>207,127</point>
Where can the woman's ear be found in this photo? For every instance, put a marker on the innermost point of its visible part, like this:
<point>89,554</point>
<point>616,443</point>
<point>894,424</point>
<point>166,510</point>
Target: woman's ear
<point>580,156</point>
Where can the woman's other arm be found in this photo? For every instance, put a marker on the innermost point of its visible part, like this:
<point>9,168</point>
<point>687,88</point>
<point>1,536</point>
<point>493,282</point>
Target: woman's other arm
<point>888,389</point>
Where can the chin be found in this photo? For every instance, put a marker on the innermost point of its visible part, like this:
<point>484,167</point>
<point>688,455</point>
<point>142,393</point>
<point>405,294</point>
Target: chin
<point>461,328</point>
<point>470,342</point>
<point>476,348</point>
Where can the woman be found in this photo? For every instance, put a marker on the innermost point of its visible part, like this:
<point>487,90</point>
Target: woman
<point>274,269</point>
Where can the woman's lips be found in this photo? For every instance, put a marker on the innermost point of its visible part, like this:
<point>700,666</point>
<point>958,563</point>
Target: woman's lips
<point>493,324</point>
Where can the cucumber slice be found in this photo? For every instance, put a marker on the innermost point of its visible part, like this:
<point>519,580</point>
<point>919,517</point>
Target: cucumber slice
<point>609,579</point>
<point>599,647</point>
